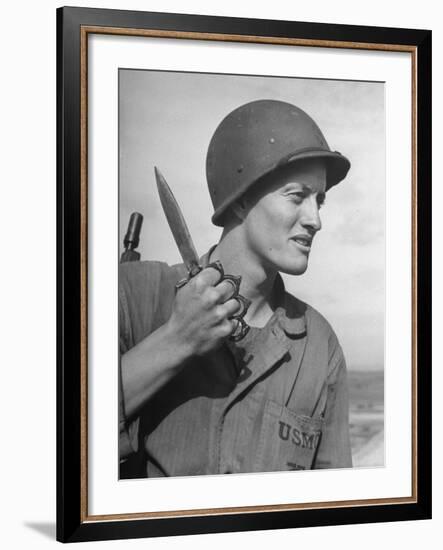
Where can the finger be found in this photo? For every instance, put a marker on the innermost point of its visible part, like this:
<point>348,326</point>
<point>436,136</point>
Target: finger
<point>223,312</point>
<point>207,277</point>
<point>230,307</point>
<point>244,305</point>
<point>228,327</point>
<point>235,281</point>
<point>226,290</point>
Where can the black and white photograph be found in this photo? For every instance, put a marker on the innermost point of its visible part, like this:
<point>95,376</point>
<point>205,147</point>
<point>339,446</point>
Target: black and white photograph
<point>252,274</point>
<point>218,304</point>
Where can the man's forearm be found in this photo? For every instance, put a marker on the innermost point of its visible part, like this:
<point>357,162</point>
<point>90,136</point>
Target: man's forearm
<point>149,365</point>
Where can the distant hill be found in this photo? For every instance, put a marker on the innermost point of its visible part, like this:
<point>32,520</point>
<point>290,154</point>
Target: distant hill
<point>366,388</point>
<point>366,416</point>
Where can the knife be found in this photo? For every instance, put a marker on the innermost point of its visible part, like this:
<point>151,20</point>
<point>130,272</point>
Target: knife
<point>187,250</point>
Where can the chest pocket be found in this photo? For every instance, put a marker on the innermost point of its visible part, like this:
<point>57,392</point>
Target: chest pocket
<point>287,441</point>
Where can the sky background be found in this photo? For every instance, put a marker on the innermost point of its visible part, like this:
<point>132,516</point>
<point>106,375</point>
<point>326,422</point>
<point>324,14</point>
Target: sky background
<point>167,120</point>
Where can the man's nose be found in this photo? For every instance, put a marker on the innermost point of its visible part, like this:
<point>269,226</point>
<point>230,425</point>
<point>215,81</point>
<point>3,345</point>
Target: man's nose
<point>311,214</point>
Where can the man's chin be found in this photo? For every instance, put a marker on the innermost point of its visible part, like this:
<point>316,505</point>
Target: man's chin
<point>298,269</point>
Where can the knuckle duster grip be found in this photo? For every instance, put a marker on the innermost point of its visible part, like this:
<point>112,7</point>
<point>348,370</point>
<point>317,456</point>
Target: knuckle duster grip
<point>240,331</point>
<point>241,328</point>
<point>235,281</point>
<point>244,305</point>
<point>217,265</point>
<point>181,283</point>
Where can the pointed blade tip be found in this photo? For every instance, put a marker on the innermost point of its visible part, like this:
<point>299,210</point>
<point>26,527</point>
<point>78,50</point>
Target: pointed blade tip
<point>176,222</point>
<point>159,177</point>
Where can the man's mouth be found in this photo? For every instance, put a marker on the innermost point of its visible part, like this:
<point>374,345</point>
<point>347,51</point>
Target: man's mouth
<point>303,241</point>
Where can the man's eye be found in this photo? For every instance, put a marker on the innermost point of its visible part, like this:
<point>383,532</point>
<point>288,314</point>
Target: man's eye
<point>297,196</point>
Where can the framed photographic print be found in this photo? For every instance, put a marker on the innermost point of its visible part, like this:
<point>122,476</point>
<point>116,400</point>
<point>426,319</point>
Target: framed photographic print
<point>244,274</point>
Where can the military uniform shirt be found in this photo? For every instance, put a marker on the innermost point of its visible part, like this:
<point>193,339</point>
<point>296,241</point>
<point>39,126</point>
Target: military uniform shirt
<point>276,400</point>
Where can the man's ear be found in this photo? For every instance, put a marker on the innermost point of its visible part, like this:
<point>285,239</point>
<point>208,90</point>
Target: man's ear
<point>240,208</point>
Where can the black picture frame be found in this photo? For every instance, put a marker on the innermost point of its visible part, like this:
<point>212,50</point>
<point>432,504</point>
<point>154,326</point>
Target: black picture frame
<point>73,523</point>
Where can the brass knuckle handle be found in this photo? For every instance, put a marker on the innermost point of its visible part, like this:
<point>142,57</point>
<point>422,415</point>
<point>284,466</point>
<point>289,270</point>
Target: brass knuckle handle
<point>181,283</point>
<point>235,281</point>
<point>217,265</point>
<point>244,305</point>
<point>240,331</point>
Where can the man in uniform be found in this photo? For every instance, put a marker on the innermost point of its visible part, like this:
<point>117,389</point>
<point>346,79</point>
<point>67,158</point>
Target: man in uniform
<point>195,401</point>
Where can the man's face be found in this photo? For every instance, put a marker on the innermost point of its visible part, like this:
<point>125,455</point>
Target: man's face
<point>282,216</point>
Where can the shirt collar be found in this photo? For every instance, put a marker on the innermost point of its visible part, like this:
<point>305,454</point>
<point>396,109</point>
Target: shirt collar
<point>290,311</point>
<point>289,314</point>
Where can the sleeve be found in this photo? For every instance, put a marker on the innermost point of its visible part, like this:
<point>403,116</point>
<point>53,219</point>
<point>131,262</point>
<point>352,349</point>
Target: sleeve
<point>146,292</point>
<point>334,450</point>
<point>128,431</point>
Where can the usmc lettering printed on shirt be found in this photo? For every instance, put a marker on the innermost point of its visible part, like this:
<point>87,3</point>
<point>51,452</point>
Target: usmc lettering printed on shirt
<point>288,441</point>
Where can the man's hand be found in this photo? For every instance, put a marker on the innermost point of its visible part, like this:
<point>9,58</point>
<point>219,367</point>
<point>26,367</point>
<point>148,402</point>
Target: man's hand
<point>199,323</point>
<point>201,311</point>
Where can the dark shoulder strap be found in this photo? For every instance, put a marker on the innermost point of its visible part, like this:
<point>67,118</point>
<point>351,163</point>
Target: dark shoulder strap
<point>311,378</point>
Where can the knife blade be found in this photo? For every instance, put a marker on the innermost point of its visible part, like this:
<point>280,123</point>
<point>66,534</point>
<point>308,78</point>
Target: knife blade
<point>177,225</point>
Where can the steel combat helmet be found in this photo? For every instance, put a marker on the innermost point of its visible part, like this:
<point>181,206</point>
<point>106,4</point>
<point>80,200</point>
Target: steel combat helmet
<point>257,138</point>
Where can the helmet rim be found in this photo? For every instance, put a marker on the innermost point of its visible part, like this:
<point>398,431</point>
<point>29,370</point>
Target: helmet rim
<point>337,167</point>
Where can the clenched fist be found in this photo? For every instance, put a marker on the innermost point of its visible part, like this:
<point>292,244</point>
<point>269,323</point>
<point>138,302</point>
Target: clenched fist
<point>201,311</point>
